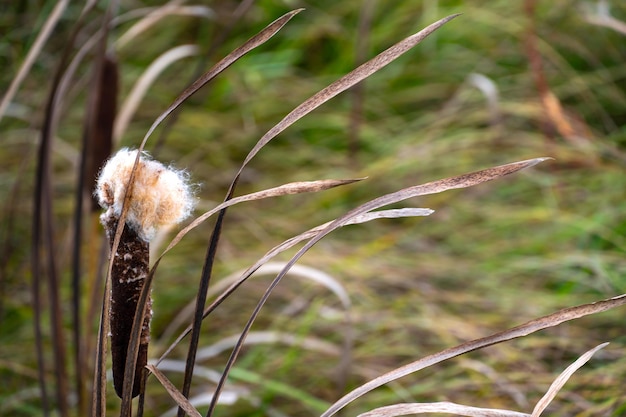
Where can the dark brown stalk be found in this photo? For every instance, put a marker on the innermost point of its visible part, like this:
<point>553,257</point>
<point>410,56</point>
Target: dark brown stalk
<point>128,274</point>
<point>96,147</point>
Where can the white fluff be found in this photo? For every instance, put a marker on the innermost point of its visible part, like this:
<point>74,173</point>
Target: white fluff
<point>160,195</point>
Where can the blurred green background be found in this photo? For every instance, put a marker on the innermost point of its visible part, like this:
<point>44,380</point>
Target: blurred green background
<point>505,81</point>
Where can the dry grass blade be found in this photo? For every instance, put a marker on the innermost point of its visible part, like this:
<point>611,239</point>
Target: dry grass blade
<point>601,16</point>
<point>342,84</point>
<point>174,393</point>
<point>306,107</point>
<point>262,262</point>
<point>462,181</point>
<point>285,189</point>
<point>252,43</point>
<point>440,407</point>
<point>155,15</point>
<point>131,103</point>
<point>33,51</point>
<point>98,401</point>
<point>562,379</point>
<point>525,329</point>
<point>360,214</point>
<point>255,41</point>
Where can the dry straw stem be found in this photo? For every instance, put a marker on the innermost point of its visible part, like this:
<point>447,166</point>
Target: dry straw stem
<point>133,347</point>
<point>33,51</point>
<point>464,410</point>
<point>276,250</point>
<point>462,181</point>
<point>42,236</point>
<point>180,399</point>
<point>345,82</point>
<point>525,329</point>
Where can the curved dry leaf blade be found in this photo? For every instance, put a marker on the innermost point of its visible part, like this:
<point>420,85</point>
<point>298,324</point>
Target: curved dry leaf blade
<point>285,189</point>
<point>560,381</point>
<point>181,401</point>
<point>154,16</point>
<point>55,15</point>
<point>255,41</point>
<point>359,215</point>
<point>342,84</point>
<point>428,188</point>
<point>227,61</point>
<point>525,329</point>
<point>440,407</point>
<point>318,99</point>
<point>145,81</point>
<point>390,214</point>
<point>288,244</point>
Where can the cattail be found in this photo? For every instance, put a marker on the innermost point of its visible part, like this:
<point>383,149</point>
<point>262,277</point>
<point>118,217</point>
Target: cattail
<point>159,196</point>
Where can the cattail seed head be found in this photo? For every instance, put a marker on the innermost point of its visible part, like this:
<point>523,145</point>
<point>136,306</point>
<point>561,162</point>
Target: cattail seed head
<point>161,195</point>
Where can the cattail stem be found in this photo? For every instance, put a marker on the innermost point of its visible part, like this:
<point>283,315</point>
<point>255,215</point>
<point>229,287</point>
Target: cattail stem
<point>130,269</point>
<point>158,196</point>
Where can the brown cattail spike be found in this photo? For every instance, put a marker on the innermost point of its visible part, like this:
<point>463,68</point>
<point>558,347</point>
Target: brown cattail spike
<point>130,269</point>
<point>160,196</point>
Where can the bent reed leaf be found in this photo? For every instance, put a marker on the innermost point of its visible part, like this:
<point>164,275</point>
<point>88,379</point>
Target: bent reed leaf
<point>522,330</point>
<point>433,187</point>
<point>181,401</point>
<point>440,407</point>
<point>360,214</point>
<point>257,40</point>
<point>560,381</point>
<point>298,187</point>
<point>345,82</point>
<point>342,84</point>
<point>289,243</point>
<point>463,410</point>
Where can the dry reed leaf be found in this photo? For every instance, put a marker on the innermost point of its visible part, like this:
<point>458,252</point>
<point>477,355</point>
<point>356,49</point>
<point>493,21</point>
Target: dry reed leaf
<point>359,215</point>
<point>154,15</point>
<point>303,109</point>
<point>173,392</point>
<point>236,280</point>
<point>33,52</point>
<point>360,73</point>
<point>525,329</point>
<point>133,345</point>
<point>440,407</point>
<point>298,187</point>
<point>461,181</point>
<point>257,40</point>
<point>141,86</point>
<point>558,383</point>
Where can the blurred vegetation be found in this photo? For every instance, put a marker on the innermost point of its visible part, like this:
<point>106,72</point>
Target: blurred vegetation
<point>505,81</point>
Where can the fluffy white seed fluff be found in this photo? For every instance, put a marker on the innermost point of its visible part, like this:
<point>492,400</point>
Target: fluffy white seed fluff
<point>160,196</point>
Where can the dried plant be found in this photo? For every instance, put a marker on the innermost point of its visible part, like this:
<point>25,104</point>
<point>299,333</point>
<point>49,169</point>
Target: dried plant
<point>140,196</point>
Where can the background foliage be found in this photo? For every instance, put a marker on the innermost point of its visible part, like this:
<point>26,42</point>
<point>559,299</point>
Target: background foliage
<point>503,82</point>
